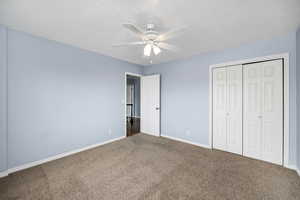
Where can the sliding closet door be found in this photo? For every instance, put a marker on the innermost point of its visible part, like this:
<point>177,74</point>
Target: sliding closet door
<point>227,109</point>
<point>219,109</point>
<point>234,109</point>
<point>263,111</point>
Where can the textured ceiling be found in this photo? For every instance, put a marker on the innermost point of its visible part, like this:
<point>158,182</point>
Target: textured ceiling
<point>96,24</point>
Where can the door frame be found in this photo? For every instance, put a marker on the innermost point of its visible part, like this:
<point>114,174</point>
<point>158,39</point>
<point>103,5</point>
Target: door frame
<point>125,97</point>
<point>286,97</point>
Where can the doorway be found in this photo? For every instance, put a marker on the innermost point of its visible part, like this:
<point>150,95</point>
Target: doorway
<point>133,104</point>
<point>142,104</point>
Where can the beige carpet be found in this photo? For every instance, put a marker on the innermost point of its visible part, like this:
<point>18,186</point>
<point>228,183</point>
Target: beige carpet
<point>146,167</point>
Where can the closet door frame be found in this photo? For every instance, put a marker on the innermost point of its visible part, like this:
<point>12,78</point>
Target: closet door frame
<point>286,66</point>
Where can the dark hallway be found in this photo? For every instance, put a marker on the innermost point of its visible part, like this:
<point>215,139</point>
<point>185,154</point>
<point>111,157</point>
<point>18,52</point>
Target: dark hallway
<point>132,105</point>
<point>133,126</point>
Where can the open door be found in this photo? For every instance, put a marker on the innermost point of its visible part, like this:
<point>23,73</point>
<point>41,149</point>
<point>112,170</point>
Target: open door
<point>150,105</point>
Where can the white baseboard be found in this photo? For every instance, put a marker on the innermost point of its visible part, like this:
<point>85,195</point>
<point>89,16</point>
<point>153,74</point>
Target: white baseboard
<point>39,162</point>
<point>3,174</point>
<point>293,167</point>
<point>186,141</point>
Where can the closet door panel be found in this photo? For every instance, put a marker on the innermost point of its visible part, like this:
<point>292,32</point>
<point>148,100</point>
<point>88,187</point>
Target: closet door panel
<point>272,120</point>
<point>252,126</point>
<point>234,109</point>
<point>263,111</point>
<point>219,108</point>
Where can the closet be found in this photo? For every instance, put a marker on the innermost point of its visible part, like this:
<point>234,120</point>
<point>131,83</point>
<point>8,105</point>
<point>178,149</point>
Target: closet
<point>247,103</point>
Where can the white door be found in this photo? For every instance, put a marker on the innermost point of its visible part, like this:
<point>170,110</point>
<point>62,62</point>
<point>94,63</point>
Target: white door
<point>252,111</point>
<point>219,109</point>
<point>272,113</point>
<point>235,109</point>
<point>150,104</point>
<point>263,111</point>
<point>227,109</point>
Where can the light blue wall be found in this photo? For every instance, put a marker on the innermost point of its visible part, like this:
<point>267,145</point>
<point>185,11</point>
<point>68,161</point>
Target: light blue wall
<point>60,98</point>
<point>50,83</point>
<point>185,89</point>
<point>3,97</point>
<point>298,94</point>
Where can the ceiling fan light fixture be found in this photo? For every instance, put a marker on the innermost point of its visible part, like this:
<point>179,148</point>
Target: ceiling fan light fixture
<point>147,50</point>
<point>150,39</point>
<point>156,50</point>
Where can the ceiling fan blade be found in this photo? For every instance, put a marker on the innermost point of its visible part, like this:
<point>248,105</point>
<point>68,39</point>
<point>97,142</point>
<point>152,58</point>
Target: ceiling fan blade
<point>167,46</point>
<point>134,29</point>
<point>129,44</point>
<point>170,34</point>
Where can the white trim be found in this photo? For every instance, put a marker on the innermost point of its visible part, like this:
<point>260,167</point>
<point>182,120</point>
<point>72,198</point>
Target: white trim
<point>186,141</point>
<point>284,56</point>
<point>125,99</point>
<point>133,74</point>
<point>210,105</point>
<point>39,162</point>
<point>3,174</point>
<point>250,60</point>
<point>293,167</point>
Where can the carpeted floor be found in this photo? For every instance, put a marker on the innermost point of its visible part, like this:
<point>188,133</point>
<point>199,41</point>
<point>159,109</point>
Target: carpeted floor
<point>146,167</point>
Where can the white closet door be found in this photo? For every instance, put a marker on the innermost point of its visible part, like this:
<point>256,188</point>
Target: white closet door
<point>272,113</point>
<point>263,111</point>
<point>252,130</point>
<point>234,109</point>
<point>219,109</point>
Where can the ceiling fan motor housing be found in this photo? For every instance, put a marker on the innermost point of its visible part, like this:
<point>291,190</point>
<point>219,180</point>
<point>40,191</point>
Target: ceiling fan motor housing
<point>150,27</point>
<point>150,33</point>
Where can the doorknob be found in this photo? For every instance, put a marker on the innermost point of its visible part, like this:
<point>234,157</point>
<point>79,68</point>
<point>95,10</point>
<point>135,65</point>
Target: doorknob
<point>157,108</point>
<point>259,116</point>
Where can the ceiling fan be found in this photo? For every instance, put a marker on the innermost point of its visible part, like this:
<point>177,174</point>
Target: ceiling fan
<point>150,39</point>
